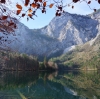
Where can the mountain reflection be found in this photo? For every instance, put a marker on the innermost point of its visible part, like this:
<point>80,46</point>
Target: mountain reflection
<point>50,85</point>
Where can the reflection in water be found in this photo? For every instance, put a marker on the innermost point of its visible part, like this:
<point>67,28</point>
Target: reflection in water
<point>56,85</point>
<point>70,91</point>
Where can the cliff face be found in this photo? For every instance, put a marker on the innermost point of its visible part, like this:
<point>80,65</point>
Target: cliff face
<point>61,33</point>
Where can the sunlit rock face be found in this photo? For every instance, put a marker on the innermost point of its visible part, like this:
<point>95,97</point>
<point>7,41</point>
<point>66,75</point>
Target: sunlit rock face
<point>61,33</point>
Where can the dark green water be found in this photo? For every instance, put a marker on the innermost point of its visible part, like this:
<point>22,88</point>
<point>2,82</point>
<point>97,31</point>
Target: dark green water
<point>55,85</point>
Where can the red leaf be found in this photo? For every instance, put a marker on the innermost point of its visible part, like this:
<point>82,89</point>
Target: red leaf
<point>30,15</point>
<point>60,7</point>
<point>51,5</point>
<point>72,7</point>
<point>10,24</point>
<point>27,2</point>
<point>19,6</point>
<point>99,1</point>
<point>23,14</point>
<point>18,12</point>
<point>95,10</point>
<point>3,1</point>
<point>75,1</point>
<point>33,5</point>
<point>30,10</point>
<point>36,1</point>
<point>4,17</point>
<point>40,0</point>
<point>15,26</point>
<point>38,5</point>
<point>89,2</point>
<point>44,4</point>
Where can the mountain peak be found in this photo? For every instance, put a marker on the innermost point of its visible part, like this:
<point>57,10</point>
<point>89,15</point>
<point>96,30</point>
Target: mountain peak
<point>95,15</point>
<point>61,33</point>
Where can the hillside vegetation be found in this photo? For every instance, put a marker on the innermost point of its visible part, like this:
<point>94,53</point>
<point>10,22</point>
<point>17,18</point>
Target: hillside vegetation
<point>22,62</point>
<point>85,57</point>
<point>15,61</point>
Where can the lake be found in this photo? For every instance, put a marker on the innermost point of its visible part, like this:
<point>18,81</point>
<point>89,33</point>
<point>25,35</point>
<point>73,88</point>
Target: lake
<point>50,85</point>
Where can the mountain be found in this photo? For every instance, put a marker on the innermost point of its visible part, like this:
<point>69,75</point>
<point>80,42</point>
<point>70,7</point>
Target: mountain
<point>85,56</point>
<point>59,35</point>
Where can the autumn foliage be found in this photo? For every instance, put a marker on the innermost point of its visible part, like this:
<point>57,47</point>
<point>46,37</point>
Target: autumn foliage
<point>8,23</point>
<point>34,5</point>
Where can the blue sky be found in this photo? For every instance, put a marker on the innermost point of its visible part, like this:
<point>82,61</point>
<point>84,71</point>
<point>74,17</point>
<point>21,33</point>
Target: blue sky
<point>43,19</point>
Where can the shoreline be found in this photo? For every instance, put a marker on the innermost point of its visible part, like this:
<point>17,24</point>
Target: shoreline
<point>54,70</point>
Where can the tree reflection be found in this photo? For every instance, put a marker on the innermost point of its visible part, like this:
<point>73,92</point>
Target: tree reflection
<point>50,85</point>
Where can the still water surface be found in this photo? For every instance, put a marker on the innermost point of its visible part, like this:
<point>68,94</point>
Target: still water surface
<point>55,85</point>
